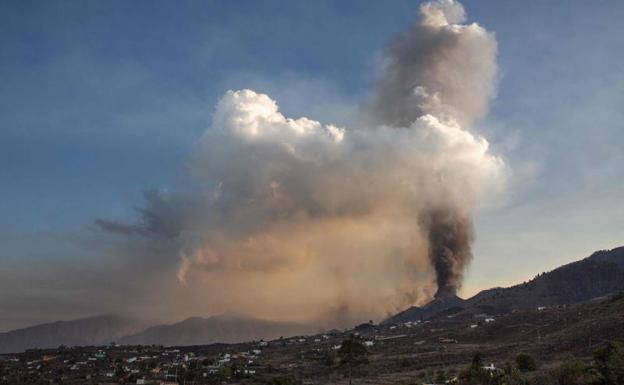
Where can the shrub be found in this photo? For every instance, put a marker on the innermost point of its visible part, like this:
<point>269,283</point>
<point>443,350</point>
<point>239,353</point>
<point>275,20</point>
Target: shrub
<point>526,362</point>
<point>576,372</point>
<point>610,362</point>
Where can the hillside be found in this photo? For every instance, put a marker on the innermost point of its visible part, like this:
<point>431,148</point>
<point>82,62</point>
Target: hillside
<point>437,306</point>
<point>85,331</point>
<point>595,276</point>
<point>599,274</point>
<point>223,328</point>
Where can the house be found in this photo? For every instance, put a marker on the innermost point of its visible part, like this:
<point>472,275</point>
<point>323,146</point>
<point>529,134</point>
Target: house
<point>491,368</point>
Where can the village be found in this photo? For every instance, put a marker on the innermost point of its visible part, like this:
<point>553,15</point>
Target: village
<point>436,351</point>
<point>212,364</point>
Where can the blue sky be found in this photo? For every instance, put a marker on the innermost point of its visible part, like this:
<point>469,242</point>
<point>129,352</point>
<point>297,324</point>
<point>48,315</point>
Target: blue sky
<point>101,100</point>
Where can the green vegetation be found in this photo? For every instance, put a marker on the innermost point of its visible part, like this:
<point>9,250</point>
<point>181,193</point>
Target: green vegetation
<point>477,374</point>
<point>576,372</point>
<point>609,361</point>
<point>607,368</point>
<point>352,353</point>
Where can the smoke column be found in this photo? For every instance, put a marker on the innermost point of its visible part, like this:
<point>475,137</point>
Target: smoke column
<point>295,219</point>
<point>446,70</point>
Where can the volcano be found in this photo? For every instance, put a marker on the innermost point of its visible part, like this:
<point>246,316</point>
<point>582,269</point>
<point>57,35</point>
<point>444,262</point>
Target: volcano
<point>444,302</point>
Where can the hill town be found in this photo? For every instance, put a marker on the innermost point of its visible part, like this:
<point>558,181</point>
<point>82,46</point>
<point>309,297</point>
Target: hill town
<point>449,341</point>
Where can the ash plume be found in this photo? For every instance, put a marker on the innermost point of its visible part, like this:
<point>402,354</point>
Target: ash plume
<point>447,70</point>
<point>439,67</point>
<point>450,237</point>
<point>294,219</point>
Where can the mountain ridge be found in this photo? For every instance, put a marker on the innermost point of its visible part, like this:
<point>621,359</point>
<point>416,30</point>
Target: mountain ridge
<point>95,330</point>
<point>224,328</point>
<point>599,274</point>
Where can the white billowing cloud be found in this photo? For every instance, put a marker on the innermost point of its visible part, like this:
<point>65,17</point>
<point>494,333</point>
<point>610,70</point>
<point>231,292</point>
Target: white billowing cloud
<point>442,13</point>
<point>328,215</point>
<point>295,219</point>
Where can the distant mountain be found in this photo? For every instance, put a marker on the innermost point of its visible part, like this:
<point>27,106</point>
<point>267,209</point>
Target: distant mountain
<point>600,274</point>
<point>223,328</point>
<point>97,330</point>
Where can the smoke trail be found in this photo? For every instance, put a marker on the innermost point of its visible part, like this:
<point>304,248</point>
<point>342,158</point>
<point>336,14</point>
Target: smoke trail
<point>450,236</point>
<point>447,70</point>
<point>294,217</point>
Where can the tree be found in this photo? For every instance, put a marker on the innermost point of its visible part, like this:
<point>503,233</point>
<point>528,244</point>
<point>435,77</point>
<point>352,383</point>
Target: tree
<point>440,377</point>
<point>477,362</point>
<point>512,376</point>
<point>526,362</point>
<point>475,371</point>
<point>610,362</point>
<point>575,372</point>
<point>352,353</point>
<point>225,372</point>
<point>475,374</point>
